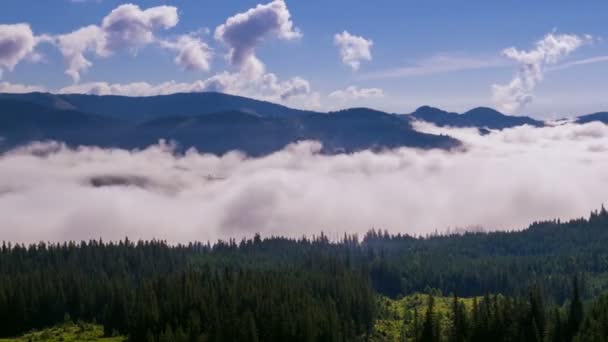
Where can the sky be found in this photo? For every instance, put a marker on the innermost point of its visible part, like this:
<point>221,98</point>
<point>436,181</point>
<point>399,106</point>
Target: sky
<point>542,58</point>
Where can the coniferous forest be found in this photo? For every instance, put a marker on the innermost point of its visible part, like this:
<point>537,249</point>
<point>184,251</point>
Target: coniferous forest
<point>548,282</point>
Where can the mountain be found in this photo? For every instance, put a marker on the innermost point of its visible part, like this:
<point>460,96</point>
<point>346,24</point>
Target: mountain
<point>140,109</point>
<point>361,128</point>
<point>601,117</point>
<point>254,127</point>
<point>345,131</point>
<point>23,122</point>
<point>481,117</point>
<point>43,99</point>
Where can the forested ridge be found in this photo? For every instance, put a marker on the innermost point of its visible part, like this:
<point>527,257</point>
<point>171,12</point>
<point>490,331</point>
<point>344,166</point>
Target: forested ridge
<point>539,284</point>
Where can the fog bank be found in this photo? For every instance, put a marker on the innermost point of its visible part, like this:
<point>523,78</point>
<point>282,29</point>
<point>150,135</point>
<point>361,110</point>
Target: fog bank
<point>502,180</point>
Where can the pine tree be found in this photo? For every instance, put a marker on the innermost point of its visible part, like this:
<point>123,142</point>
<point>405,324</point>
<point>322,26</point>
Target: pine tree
<point>416,326</point>
<point>575,311</point>
<point>429,327</point>
<point>458,331</point>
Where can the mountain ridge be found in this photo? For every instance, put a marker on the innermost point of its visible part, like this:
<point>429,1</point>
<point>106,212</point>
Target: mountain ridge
<point>479,117</point>
<point>218,123</point>
<point>246,127</point>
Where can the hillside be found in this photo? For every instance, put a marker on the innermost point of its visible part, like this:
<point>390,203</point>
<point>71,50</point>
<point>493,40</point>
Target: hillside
<point>480,117</point>
<point>325,290</point>
<point>210,122</point>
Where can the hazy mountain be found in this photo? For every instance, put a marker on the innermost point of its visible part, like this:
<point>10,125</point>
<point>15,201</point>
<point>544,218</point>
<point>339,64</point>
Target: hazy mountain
<point>139,109</point>
<point>252,126</point>
<point>344,131</point>
<point>481,117</point>
<point>601,117</point>
<point>23,122</point>
<point>217,123</point>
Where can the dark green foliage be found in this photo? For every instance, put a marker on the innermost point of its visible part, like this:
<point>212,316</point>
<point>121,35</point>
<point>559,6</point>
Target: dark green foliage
<point>547,255</point>
<point>575,312</point>
<point>459,329</point>
<point>528,286</point>
<point>595,324</point>
<point>150,291</point>
<point>430,329</point>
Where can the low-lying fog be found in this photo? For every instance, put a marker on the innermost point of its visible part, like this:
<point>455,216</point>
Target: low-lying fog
<point>503,180</point>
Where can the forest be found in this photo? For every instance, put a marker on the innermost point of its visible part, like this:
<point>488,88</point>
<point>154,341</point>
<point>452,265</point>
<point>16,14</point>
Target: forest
<point>548,282</point>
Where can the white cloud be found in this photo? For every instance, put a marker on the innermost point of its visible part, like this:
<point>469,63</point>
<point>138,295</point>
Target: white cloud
<point>356,93</point>
<point>126,27</point>
<point>192,52</point>
<point>295,91</point>
<point>129,27</point>
<point>299,191</point>
<point>6,87</point>
<point>243,32</point>
<point>353,49</point>
<point>17,42</point>
<point>133,89</point>
<point>74,45</point>
<point>548,51</point>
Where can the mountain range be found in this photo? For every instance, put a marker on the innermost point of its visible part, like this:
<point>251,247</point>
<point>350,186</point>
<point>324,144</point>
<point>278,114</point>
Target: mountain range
<point>218,123</point>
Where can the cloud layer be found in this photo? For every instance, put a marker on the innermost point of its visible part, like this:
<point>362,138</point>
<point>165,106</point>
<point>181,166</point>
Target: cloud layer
<point>548,51</point>
<point>503,180</point>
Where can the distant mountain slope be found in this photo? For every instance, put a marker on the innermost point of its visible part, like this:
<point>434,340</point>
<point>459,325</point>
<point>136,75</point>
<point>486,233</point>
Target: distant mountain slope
<point>361,128</point>
<point>22,122</point>
<point>481,117</point>
<point>44,99</point>
<point>139,109</point>
<point>601,117</point>
<point>94,120</point>
<point>345,131</point>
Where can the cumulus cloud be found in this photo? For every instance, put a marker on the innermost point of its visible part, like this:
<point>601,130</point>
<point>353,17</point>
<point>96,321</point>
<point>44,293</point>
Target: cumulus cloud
<point>356,93</point>
<point>15,88</point>
<point>548,51</point>
<point>353,96</point>
<point>295,91</point>
<point>353,49</point>
<point>154,193</point>
<point>134,89</point>
<point>127,27</point>
<point>192,52</point>
<point>74,45</point>
<point>243,32</point>
<point>17,42</point>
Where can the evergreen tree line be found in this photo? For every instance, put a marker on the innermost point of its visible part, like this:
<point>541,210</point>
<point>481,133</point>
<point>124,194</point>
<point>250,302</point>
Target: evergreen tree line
<point>546,254</point>
<point>150,291</point>
<point>498,318</point>
<point>309,289</point>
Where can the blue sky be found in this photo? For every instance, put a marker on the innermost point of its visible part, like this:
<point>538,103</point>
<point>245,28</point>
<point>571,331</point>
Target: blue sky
<point>443,53</point>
